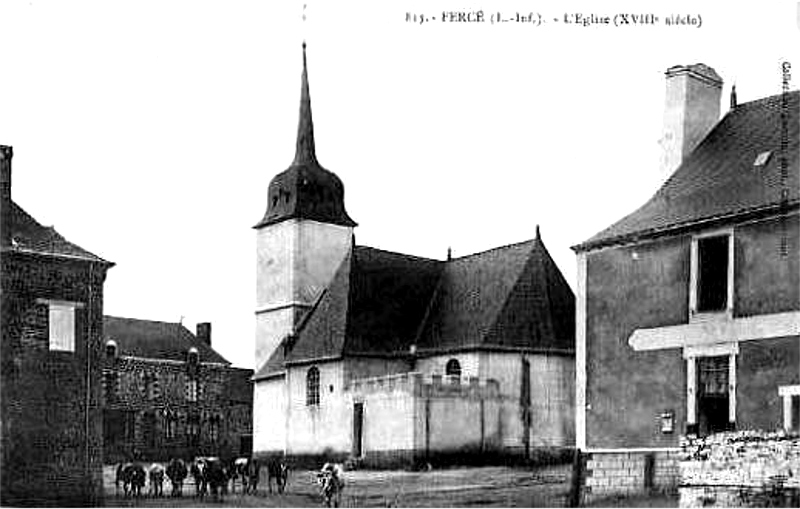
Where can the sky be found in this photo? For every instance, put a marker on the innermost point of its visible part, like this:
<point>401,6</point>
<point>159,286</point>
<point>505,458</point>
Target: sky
<point>148,131</point>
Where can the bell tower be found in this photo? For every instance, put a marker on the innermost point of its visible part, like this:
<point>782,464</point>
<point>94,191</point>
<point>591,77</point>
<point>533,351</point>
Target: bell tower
<point>302,239</point>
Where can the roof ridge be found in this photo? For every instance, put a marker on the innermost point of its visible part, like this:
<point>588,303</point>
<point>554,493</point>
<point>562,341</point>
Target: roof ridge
<point>497,248</point>
<point>145,320</point>
<point>397,253</point>
<point>765,100</point>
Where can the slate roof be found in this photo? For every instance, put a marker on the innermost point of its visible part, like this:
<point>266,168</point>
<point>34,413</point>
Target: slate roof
<point>156,340</point>
<point>718,178</point>
<point>510,297</point>
<point>380,303</point>
<point>306,190</point>
<point>27,235</point>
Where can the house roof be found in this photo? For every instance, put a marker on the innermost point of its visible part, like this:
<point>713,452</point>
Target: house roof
<point>27,235</point>
<point>380,303</point>
<point>156,340</point>
<point>719,178</point>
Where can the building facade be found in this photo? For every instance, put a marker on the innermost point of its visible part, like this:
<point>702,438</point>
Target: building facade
<point>52,325</point>
<point>387,358</point>
<point>168,394</point>
<point>695,296</point>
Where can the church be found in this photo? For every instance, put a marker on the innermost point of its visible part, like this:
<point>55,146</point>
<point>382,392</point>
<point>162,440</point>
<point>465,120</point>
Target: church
<point>389,359</point>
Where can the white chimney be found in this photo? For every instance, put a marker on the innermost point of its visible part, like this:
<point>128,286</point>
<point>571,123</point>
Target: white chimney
<point>691,111</point>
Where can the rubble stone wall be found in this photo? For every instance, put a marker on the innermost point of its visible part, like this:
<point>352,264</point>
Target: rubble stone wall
<point>609,474</point>
<point>741,469</point>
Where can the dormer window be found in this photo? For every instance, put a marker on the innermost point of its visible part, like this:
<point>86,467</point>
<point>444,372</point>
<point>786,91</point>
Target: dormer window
<point>712,273</point>
<point>111,349</point>
<point>193,356</point>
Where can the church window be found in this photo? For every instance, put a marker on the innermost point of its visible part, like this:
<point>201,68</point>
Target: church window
<point>453,368</point>
<point>312,386</point>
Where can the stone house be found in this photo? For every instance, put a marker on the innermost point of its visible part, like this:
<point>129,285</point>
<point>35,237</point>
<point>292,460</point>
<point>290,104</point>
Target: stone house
<point>388,358</point>
<point>167,393</point>
<point>52,325</point>
<point>695,296</point>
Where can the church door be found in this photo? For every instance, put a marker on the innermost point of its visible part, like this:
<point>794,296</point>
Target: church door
<point>358,429</point>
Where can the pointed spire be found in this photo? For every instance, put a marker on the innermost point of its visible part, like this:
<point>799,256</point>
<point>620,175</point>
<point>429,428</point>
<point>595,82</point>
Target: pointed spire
<point>538,236</point>
<point>733,96</point>
<point>306,152</point>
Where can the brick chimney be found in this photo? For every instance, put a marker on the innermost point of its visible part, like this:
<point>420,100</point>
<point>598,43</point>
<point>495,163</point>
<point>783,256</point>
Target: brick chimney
<point>691,110</point>
<point>6,153</point>
<point>204,332</point>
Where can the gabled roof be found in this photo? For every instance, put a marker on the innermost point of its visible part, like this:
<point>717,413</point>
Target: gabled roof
<point>512,297</point>
<point>156,340</point>
<point>27,235</point>
<point>373,306</point>
<point>719,179</point>
<point>380,303</point>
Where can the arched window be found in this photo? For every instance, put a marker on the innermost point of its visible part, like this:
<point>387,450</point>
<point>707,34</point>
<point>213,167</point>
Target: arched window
<point>453,368</point>
<point>312,386</point>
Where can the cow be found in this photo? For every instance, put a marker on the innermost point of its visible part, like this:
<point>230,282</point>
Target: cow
<point>132,476</point>
<point>331,481</point>
<point>199,471</point>
<point>216,477</point>
<point>177,472</point>
<point>118,478</point>
<point>277,469</point>
<point>252,474</point>
<point>238,471</point>
<point>156,475</point>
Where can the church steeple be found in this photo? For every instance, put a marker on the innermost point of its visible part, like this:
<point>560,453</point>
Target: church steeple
<point>306,152</point>
<point>306,190</point>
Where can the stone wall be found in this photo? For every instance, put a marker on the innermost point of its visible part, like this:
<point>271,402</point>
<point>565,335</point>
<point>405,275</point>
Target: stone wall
<point>149,414</point>
<point>625,473</point>
<point>51,411</point>
<point>741,469</point>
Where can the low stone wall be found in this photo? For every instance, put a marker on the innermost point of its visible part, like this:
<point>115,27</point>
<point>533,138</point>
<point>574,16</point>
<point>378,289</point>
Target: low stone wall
<point>623,473</point>
<point>741,469</point>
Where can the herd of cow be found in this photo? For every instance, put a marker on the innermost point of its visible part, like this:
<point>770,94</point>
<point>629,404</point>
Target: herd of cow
<point>217,478</point>
<point>211,476</point>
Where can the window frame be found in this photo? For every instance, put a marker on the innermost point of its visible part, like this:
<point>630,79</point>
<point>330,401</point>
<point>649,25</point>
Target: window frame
<point>788,393</point>
<point>56,344</point>
<point>192,390</point>
<point>694,277</point>
<point>313,384</point>
<point>452,362</point>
